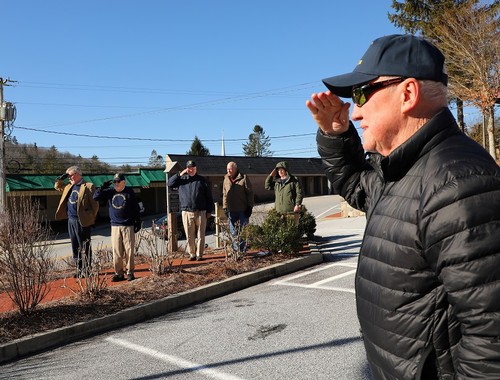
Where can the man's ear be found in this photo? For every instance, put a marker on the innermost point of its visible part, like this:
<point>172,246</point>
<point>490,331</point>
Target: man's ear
<point>410,96</point>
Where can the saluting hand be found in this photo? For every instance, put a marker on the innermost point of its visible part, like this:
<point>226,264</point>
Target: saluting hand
<point>329,112</point>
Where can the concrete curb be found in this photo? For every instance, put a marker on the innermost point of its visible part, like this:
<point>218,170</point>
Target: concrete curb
<point>40,342</point>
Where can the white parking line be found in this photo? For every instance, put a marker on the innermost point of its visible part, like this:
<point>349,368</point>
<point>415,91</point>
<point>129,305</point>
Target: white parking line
<point>328,211</point>
<point>312,286</point>
<point>320,284</point>
<point>333,278</point>
<point>194,367</point>
<point>321,268</point>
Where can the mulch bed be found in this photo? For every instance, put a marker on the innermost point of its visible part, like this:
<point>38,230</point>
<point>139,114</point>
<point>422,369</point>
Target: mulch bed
<point>71,310</point>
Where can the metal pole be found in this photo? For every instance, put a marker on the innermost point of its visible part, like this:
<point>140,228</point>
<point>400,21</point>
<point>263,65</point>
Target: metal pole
<point>3,198</point>
<point>168,195</point>
<point>172,219</point>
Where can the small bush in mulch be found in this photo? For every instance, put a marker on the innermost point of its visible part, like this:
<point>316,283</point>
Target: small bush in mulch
<point>72,310</point>
<point>279,232</point>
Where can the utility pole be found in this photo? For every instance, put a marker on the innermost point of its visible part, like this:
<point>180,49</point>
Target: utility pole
<point>3,180</point>
<point>7,114</point>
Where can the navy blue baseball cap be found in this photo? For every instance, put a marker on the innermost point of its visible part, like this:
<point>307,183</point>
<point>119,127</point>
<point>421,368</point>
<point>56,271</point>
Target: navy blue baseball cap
<point>395,55</point>
<point>119,177</point>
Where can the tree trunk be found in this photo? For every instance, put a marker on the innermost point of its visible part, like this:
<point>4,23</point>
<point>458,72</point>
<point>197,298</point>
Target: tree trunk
<point>460,114</point>
<point>485,119</point>
<point>491,132</point>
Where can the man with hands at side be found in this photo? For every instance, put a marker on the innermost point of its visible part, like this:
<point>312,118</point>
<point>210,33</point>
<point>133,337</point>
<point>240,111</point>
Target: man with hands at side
<point>237,201</point>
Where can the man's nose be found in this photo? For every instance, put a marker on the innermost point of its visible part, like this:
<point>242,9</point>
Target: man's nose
<point>356,113</point>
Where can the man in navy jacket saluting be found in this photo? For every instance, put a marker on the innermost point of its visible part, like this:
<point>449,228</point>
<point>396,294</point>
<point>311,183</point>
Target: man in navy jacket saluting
<point>197,205</point>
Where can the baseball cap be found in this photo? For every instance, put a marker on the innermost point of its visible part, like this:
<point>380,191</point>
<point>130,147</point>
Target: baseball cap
<point>394,55</point>
<point>190,164</point>
<point>119,177</point>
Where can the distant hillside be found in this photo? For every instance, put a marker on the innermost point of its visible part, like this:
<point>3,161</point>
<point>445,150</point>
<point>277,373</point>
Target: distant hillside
<point>31,159</point>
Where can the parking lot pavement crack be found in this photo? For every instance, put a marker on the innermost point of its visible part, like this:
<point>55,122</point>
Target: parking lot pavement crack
<point>264,331</point>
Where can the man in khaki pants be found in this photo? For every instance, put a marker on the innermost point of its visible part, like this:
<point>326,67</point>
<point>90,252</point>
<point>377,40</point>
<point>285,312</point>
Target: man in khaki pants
<point>195,196</point>
<point>125,222</point>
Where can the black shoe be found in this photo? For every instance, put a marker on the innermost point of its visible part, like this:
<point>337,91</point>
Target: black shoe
<point>192,258</point>
<point>130,277</point>
<point>117,277</point>
<point>199,258</point>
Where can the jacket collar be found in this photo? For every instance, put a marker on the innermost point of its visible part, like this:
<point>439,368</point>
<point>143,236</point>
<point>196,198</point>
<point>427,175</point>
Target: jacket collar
<point>238,177</point>
<point>396,165</point>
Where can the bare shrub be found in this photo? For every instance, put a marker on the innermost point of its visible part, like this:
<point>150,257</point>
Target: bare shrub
<point>26,262</point>
<point>155,249</point>
<point>231,241</point>
<point>139,238</point>
<point>90,283</point>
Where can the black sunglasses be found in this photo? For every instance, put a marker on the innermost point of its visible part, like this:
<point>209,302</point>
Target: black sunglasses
<point>360,95</point>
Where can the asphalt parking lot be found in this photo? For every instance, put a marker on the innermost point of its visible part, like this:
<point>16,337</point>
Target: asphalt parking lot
<point>298,326</point>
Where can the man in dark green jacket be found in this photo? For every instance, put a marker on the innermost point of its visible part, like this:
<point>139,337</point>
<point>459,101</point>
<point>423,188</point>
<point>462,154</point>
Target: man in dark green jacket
<point>287,190</point>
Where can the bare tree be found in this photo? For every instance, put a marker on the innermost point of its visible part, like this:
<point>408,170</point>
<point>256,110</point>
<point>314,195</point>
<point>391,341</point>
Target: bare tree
<point>469,36</point>
<point>26,262</point>
<point>422,16</point>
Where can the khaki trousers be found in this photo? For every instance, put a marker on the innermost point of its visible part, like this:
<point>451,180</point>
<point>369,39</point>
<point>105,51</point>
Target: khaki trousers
<point>195,224</point>
<point>123,243</point>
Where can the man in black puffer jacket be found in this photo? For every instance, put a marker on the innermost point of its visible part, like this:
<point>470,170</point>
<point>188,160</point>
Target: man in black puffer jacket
<point>428,278</point>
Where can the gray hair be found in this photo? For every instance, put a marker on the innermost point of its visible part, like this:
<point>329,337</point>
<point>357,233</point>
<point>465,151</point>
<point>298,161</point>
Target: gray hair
<point>74,169</point>
<point>435,92</point>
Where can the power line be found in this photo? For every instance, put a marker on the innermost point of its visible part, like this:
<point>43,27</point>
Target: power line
<point>151,139</point>
<point>229,99</point>
<point>94,87</point>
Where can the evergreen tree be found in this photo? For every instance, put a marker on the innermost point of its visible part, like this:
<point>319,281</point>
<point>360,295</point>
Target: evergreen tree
<point>155,160</point>
<point>50,161</point>
<point>98,166</point>
<point>126,168</point>
<point>258,144</point>
<point>197,148</point>
<point>418,16</point>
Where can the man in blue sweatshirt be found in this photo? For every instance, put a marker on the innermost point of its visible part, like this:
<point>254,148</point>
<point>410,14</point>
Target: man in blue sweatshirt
<point>125,222</point>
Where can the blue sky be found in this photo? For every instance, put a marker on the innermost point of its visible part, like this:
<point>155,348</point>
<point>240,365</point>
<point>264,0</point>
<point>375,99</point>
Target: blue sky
<point>120,78</point>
